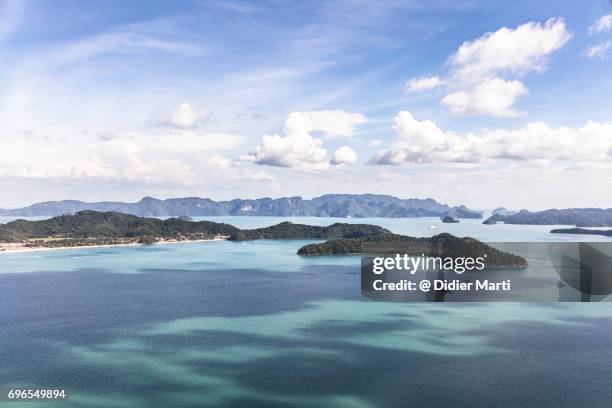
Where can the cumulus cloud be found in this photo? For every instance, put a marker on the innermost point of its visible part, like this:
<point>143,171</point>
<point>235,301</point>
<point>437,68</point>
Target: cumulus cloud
<point>344,155</point>
<point>494,97</point>
<point>598,50</point>
<point>298,148</point>
<point>516,51</point>
<point>421,84</point>
<point>603,24</point>
<point>184,116</point>
<point>483,74</point>
<point>422,141</point>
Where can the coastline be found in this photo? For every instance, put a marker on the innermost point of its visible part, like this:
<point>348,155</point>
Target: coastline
<point>18,250</point>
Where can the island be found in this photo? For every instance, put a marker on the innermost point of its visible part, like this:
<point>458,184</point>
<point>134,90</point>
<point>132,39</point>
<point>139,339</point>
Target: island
<point>580,217</point>
<point>449,220</point>
<point>607,233</point>
<point>444,245</point>
<point>93,228</point>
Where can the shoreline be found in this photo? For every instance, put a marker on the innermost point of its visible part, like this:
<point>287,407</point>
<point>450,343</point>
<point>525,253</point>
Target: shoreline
<point>19,250</point>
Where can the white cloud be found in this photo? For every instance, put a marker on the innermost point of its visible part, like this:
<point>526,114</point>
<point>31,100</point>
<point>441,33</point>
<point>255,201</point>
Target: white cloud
<point>516,51</point>
<point>421,84</point>
<point>482,77</point>
<point>494,97</point>
<point>424,142</point>
<point>332,123</point>
<point>603,24</point>
<point>598,50</point>
<point>174,157</point>
<point>183,117</point>
<point>258,176</point>
<point>344,155</point>
<point>298,148</point>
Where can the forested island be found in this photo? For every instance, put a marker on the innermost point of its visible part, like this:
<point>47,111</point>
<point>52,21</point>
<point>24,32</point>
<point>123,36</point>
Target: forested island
<point>443,245</point>
<point>87,228</point>
<point>582,231</point>
<point>579,217</point>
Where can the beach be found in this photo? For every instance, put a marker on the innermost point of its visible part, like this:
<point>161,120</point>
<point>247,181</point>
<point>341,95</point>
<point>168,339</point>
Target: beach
<point>19,247</point>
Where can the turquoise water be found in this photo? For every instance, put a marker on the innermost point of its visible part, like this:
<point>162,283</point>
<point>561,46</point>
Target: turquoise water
<point>251,324</point>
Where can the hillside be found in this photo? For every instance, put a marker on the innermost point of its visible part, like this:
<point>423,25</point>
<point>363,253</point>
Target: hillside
<point>288,230</point>
<point>93,224</point>
<point>330,205</point>
<point>444,245</point>
<point>109,226</point>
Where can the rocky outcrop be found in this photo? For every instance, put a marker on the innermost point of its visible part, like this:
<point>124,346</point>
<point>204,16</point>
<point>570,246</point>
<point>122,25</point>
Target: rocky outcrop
<point>449,220</point>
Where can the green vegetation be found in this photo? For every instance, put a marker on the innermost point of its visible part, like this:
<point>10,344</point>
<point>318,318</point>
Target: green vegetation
<point>110,226</point>
<point>87,228</point>
<point>288,230</point>
<point>443,245</point>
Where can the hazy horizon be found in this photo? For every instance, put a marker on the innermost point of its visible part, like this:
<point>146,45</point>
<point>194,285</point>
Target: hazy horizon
<point>451,204</point>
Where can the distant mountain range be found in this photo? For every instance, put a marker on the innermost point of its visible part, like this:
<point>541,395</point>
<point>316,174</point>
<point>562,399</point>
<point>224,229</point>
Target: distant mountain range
<point>580,217</point>
<point>330,205</point>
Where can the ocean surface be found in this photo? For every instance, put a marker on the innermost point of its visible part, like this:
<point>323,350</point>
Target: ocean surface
<point>251,324</point>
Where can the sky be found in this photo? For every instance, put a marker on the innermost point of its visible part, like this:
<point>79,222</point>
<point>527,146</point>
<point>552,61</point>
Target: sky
<point>485,104</point>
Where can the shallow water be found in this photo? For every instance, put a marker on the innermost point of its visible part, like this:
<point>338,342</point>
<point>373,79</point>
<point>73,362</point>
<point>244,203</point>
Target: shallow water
<point>252,324</point>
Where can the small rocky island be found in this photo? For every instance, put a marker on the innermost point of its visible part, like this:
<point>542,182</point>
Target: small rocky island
<point>444,245</point>
<point>582,231</point>
<point>449,220</point>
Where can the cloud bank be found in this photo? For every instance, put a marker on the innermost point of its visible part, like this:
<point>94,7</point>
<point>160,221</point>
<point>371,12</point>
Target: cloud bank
<point>422,141</point>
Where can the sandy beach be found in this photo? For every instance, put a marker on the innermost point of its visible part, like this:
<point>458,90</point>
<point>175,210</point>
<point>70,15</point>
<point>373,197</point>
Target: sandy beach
<point>16,248</point>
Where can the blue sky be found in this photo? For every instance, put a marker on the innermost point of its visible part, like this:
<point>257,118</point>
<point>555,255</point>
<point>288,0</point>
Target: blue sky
<point>482,103</point>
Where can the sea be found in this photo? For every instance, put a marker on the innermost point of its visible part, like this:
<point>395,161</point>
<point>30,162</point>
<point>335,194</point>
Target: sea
<point>252,324</point>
